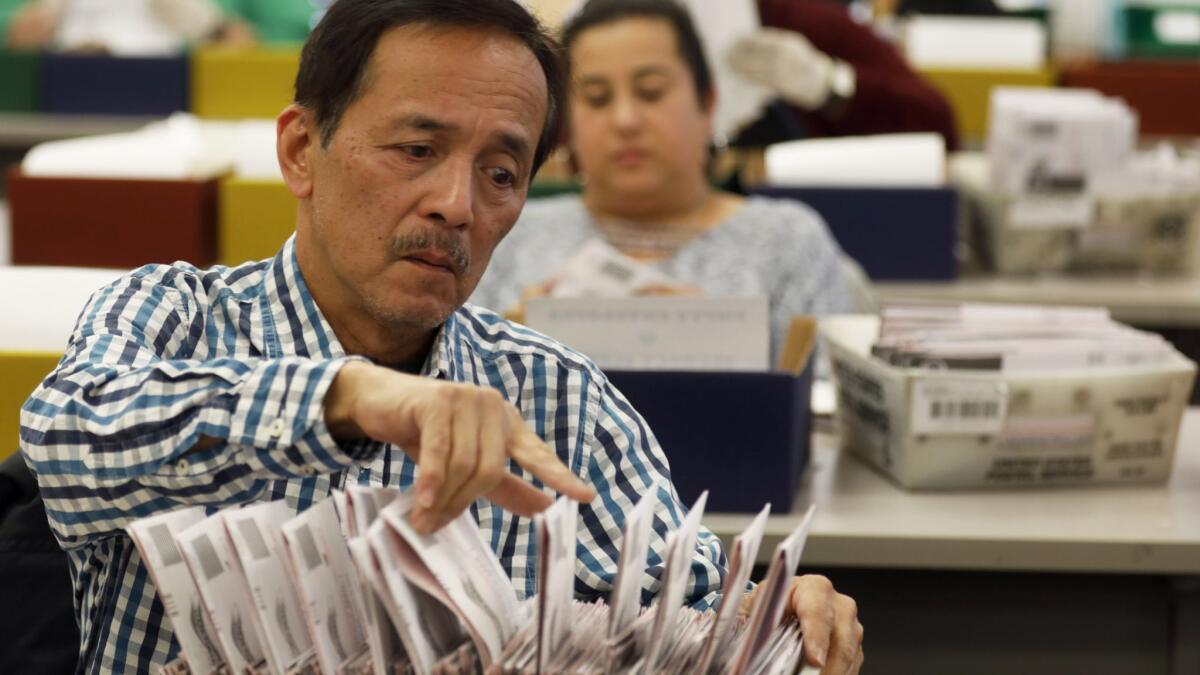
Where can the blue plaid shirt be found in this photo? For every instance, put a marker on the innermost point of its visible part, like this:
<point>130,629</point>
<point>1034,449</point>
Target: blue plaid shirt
<point>168,354</point>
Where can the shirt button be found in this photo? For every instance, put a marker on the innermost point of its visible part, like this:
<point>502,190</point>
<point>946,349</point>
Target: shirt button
<point>182,466</point>
<point>308,471</point>
<point>276,428</point>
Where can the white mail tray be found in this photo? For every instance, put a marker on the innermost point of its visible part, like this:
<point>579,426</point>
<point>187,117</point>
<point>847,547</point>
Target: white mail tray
<point>953,429</point>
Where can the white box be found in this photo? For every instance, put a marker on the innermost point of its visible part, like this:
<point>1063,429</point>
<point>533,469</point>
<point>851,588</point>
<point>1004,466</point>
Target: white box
<point>685,332</point>
<point>974,42</point>
<point>1065,427</point>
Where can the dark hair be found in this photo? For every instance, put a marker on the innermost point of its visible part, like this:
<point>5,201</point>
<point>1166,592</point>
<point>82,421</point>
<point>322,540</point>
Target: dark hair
<point>333,64</point>
<point>691,49</point>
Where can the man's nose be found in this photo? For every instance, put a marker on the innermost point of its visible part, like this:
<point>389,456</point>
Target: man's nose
<point>449,198</point>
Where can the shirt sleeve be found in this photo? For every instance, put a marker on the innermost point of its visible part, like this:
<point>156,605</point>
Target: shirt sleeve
<point>128,424</point>
<point>623,462</point>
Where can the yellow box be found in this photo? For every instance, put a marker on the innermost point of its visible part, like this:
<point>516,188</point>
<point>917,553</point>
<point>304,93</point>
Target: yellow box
<point>970,92</point>
<point>22,373</point>
<point>255,218</point>
<point>237,83</point>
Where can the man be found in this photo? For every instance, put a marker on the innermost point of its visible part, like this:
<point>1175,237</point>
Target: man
<point>417,127</point>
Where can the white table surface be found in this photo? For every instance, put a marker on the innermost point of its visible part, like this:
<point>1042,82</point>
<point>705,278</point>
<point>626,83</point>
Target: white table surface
<point>1132,299</point>
<point>26,129</point>
<point>864,520</point>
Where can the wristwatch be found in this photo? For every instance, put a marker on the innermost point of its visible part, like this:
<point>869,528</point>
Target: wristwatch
<point>842,84</point>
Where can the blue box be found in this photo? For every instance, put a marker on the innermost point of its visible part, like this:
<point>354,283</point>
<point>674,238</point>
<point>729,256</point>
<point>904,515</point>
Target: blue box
<point>94,84</point>
<point>896,234</point>
<point>744,437</point>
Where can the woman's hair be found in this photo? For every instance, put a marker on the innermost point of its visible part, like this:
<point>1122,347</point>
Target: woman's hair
<point>691,49</point>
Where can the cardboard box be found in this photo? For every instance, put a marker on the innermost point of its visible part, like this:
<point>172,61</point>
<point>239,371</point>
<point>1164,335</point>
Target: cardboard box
<point>896,234</point>
<point>108,85</point>
<point>969,92</point>
<point>256,217</point>
<point>89,222</point>
<point>1113,425</point>
<point>1162,93</point>
<point>21,73</point>
<point>243,82</point>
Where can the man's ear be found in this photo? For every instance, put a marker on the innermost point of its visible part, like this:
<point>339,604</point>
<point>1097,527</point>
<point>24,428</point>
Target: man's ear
<point>296,139</point>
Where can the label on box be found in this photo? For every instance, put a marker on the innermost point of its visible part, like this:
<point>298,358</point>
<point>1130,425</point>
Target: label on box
<point>660,332</point>
<point>946,406</point>
<point>1047,212</point>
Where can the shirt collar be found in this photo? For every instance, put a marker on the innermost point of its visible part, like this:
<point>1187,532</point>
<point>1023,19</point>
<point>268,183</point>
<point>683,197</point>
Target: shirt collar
<point>296,326</point>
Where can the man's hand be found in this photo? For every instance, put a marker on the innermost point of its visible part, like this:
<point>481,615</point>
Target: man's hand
<point>829,622</point>
<point>460,435</point>
<point>787,63</point>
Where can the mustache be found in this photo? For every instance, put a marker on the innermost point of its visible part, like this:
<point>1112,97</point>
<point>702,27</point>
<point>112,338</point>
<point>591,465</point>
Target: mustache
<point>433,240</point>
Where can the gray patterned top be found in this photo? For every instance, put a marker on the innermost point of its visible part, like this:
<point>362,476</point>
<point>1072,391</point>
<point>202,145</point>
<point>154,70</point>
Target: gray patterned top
<point>772,247</point>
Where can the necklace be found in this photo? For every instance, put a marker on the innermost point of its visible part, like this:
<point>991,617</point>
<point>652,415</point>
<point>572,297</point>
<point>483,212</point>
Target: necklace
<point>659,241</point>
<point>630,237</point>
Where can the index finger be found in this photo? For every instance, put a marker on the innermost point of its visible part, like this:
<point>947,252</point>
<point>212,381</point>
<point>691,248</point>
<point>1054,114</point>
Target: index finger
<point>537,458</point>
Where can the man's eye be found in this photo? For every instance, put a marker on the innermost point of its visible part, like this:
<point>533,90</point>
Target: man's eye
<point>417,151</point>
<point>503,177</point>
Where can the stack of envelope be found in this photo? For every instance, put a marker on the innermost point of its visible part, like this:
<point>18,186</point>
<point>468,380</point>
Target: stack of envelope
<point>1012,338</point>
<point>1064,188</point>
<point>348,587</point>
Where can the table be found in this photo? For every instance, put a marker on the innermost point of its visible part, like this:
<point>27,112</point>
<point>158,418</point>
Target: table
<point>863,519</point>
<point>1102,579</point>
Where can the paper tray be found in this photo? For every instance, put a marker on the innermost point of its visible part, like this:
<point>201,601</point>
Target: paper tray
<point>918,247</point>
<point>1069,427</point>
<point>744,436</point>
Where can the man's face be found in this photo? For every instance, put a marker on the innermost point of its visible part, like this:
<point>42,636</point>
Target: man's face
<point>425,174</point>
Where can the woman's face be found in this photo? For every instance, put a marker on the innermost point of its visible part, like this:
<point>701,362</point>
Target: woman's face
<point>638,128</point>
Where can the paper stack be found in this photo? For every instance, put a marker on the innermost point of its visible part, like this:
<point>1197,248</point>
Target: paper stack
<point>1064,188</point>
<point>1055,141</point>
<point>348,587</point>
<point>1012,338</point>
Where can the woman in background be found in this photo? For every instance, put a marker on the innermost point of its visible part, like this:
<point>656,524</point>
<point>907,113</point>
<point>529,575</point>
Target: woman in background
<point>641,112</point>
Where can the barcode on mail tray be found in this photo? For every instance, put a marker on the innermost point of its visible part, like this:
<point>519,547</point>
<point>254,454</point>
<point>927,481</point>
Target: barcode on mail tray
<point>971,410</point>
